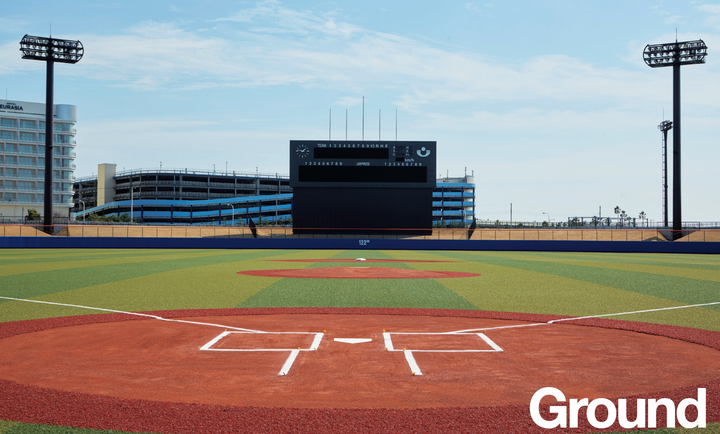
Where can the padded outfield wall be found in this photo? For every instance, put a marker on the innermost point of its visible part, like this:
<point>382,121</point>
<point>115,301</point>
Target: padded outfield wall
<point>361,244</point>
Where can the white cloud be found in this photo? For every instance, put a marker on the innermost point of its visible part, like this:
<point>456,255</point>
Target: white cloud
<point>279,19</point>
<point>349,101</point>
<point>713,11</point>
<point>472,7</point>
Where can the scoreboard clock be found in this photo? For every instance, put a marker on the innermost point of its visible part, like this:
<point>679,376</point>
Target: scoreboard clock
<point>346,186</point>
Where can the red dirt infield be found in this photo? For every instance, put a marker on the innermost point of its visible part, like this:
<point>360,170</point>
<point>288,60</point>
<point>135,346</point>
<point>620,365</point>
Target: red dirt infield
<point>118,371</point>
<point>358,273</point>
<point>356,260</point>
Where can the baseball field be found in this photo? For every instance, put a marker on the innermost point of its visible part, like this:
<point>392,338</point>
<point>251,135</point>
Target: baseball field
<point>201,341</point>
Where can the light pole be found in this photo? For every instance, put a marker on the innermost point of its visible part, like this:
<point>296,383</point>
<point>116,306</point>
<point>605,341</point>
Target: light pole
<point>232,222</point>
<point>83,204</point>
<point>132,204</point>
<point>676,54</point>
<point>665,126</point>
<point>548,217</point>
<point>50,50</point>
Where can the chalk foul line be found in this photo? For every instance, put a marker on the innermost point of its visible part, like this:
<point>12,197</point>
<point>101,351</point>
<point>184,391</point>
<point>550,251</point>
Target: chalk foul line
<point>576,318</point>
<point>135,314</point>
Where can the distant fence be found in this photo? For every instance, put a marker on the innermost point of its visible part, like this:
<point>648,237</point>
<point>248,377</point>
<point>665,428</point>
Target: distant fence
<point>494,234</point>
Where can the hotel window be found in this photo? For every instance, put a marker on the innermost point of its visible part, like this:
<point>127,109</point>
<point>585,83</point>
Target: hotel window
<point>41,126</point>
<point>7,135</point>
<point>11,159</point>
<point>27,149</point>
<point>27,161</point>
<point>25,198</point>
<point>25,185</point>
<point>7,123</point>
<point>11,147</point>
<point>26,173</point>
<point>11,173</point>
<point>27,137</point>
<point>27,125</point>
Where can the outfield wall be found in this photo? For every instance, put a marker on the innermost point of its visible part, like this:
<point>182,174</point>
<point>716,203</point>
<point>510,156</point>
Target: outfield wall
<point>360,244</point>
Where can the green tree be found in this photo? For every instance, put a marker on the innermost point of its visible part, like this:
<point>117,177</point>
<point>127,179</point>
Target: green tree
<point>32,215</point>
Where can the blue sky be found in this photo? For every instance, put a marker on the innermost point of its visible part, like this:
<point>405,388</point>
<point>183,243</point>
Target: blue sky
<point>548,103</point>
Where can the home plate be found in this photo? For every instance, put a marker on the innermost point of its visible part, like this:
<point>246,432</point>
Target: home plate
<point>352,340</point>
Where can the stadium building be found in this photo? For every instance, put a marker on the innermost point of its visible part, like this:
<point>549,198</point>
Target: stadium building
<point>22,158</point>
<point>186,196</point>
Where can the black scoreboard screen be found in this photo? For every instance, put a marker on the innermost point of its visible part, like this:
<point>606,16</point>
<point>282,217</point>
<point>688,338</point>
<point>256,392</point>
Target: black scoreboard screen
<point>355,174</point>
<point>354,164</point>
<point>362,186</point>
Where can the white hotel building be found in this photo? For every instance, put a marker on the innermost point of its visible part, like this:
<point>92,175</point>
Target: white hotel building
<point>22,158</point>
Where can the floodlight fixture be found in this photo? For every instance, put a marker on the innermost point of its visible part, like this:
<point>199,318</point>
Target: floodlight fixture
<point>50,50</point>
<point>57,50</point>
<point>675,54</point>
<point>680,53</point>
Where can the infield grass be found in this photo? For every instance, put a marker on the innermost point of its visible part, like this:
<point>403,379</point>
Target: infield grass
<point>576,284</point>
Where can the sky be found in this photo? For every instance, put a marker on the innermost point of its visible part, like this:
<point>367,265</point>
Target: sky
<point>547,103</point>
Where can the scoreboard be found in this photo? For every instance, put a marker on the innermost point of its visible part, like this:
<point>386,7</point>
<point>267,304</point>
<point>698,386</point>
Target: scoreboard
<point>362,164</point>
<point>348,186</point>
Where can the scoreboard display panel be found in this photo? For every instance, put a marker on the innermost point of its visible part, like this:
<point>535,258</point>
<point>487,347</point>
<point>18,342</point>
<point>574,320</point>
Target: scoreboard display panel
<point>364,163</point>
<point>362,186</point>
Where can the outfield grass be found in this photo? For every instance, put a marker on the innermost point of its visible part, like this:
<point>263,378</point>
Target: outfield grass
<point>578,284</point>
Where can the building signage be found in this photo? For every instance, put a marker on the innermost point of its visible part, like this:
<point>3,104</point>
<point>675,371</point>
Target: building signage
<point>10,106</point>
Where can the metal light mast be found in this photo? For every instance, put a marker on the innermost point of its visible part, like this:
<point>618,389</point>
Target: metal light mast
<point>665,126</point>
<point>676,54</point>
<point>50,50</point>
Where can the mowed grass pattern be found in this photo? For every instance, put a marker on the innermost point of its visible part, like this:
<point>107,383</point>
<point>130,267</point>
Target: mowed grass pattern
<point>578,284</point>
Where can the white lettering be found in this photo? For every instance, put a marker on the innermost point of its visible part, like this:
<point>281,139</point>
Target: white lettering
<point>653,405</point>
<point>592,417</point>
<point>575,406</point>
<point>560,420</point>
<point>699,404</point>
<point>619,412</point>
<point>639,421</point>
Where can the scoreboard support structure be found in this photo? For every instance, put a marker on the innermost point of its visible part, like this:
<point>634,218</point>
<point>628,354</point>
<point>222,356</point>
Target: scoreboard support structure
<point>362,187</point>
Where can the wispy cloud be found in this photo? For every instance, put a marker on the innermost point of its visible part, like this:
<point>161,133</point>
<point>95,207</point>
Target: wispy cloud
<point>275,18</point>
<point>713,11</point>
<point>349,101</point>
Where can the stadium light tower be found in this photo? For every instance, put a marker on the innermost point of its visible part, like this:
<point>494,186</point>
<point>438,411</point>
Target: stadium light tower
<point>665,126</point>
<point>676,54</point>
<point>50,50</point>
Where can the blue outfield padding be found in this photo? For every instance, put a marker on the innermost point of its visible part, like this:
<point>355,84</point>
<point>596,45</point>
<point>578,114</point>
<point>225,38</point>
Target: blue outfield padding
<point>359,243</point>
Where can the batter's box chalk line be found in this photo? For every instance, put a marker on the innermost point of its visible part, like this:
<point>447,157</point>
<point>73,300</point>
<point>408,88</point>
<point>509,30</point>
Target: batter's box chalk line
<point>293,352</point>
<point>388,340</point>
<point>408,352</point>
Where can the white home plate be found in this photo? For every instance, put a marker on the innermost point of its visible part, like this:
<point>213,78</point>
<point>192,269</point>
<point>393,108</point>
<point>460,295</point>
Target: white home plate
<point>353,340</point>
